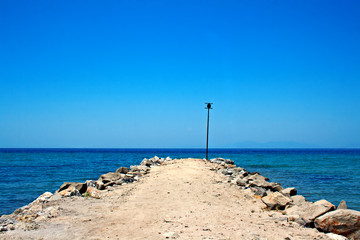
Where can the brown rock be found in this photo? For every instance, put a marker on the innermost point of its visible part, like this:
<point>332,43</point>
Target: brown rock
<point>122,170</point>
<point>109,177</point>
<point>81,187</point>
<point>276,200</point>
<point>93,192</point>
<point>343,221</point>
<point>69,192</point>
<point>317,209</point>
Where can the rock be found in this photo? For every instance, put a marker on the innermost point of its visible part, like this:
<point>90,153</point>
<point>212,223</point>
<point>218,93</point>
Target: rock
<point>295,214</point>
<point>49,212</point>
<point>55,196</point>
<point>296,218</point>
<point>168,159</point>
<point>305,212</point>
<point>146,162</point>
<point>229,161</point>
<point>7,221</point>
<point>334,236</point>
<point>289,191</point>
<point>241,182</point>
<point>100,185</point>
<point>248,192</point>
<point>299,200</point>
<point>128,180</point>
<point>342,205</point>
<point>80,187</point>
<point>260,183</point>
<point>139,168</point>
<point>317,209</point>
<point>276,200</point>
<point>90,183</point>
<point>226,172</point>
<point>345,222</point>
<point>122,170</point>
<point>95,184</point>
<point>256,176</point>
<point>69,192</point>
<point>222,161</point>
<point>171,235</point>
<point>276,187</point>
<point>36,205</point>
<point>109,177</point>
<point>44,197</point>
<point>92,192</point>
<point>261,192</point>
<point>110,184</point>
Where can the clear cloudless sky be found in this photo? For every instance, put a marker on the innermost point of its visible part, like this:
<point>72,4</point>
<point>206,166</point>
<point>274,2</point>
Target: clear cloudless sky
<point>137,73</point>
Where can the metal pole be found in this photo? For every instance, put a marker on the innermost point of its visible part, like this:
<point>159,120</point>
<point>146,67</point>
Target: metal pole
<point>207,135</point>
<point>208,107</point>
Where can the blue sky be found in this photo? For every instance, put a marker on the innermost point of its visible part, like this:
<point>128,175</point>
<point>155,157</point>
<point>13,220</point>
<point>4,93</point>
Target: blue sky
<point>137,73</point>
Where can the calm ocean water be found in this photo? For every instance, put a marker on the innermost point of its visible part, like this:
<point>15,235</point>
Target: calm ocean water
<point>333,174</point>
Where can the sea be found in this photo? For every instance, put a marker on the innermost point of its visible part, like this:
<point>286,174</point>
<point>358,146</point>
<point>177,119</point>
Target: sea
<point>331,174</point>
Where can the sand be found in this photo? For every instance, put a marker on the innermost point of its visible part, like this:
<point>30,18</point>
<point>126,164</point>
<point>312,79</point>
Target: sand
<point>181,199</point>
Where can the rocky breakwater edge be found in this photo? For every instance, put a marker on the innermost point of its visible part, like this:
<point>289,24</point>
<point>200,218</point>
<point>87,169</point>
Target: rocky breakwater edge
<point>284,204</point>
<point>338,222</point>
<point>45,206</point>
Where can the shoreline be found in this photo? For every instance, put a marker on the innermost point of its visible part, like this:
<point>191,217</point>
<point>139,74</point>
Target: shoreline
<point>270,197</point>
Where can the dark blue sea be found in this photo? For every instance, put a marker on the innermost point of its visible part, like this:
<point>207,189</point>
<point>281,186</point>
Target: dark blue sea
<point>333,174</point>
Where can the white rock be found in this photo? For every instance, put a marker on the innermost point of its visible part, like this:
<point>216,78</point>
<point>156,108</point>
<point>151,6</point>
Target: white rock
<point>336,236</point>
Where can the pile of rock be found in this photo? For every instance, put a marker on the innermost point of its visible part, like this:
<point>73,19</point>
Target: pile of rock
<point>28,216</point>
<point>122,175</point>
<point>40,209</point>
<point>321,214</point>
<point>155,161</point>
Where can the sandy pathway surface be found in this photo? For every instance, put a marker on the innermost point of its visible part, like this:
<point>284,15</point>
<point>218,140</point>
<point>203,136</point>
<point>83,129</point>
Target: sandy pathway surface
<point>182,199</point>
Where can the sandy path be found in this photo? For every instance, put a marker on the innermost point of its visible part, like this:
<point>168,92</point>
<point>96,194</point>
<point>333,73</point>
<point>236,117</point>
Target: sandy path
<point>182,199</point>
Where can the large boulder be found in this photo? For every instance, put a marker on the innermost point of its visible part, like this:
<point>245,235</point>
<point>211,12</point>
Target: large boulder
<point>276,200</point>
<point>345,222</point>
<point>317,209</point>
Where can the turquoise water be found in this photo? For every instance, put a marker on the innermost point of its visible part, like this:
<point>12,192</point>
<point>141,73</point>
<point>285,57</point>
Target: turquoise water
<point>333,174</point>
